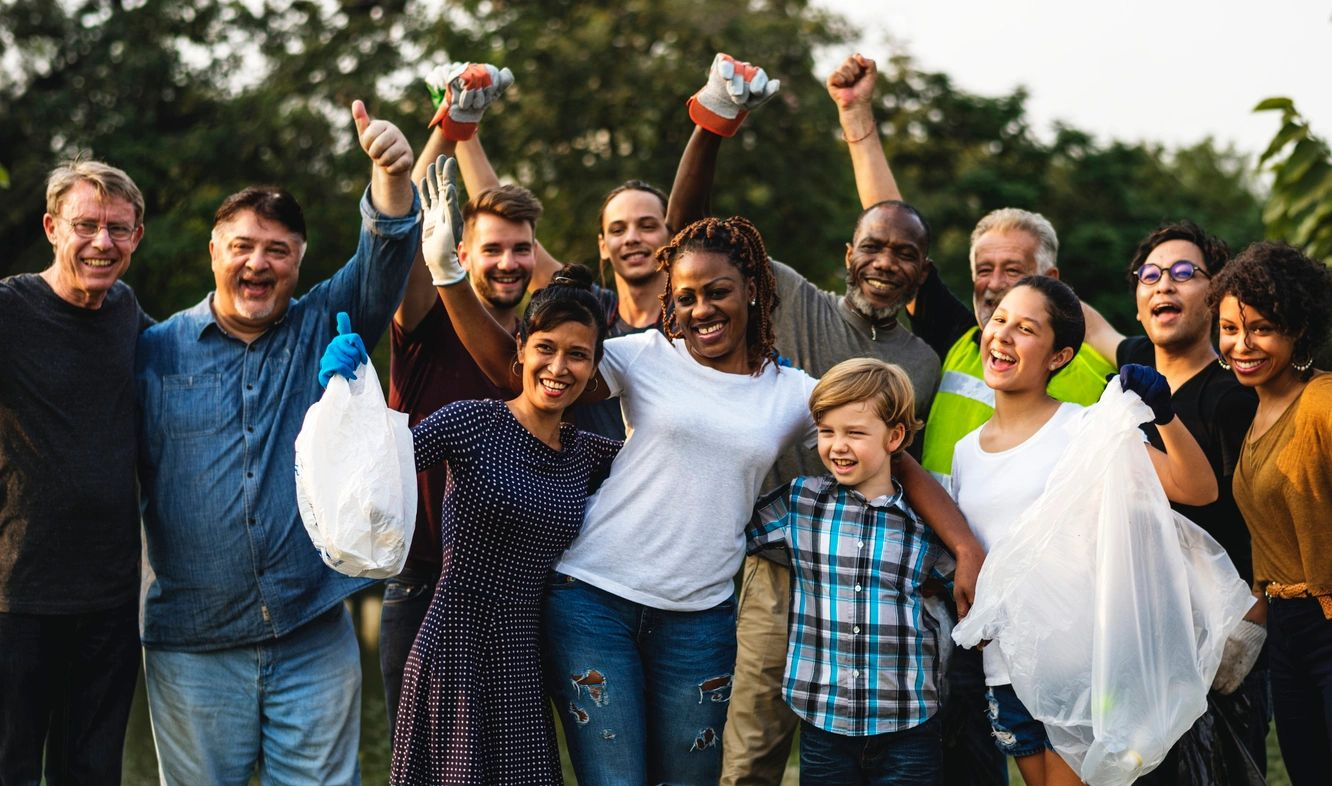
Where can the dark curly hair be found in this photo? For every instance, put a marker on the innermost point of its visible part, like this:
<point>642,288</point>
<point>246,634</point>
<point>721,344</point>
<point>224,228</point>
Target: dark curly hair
<point>742,244</point>
<point>568,298</point>
<point>1287,287</point>
<point>1215,252</point>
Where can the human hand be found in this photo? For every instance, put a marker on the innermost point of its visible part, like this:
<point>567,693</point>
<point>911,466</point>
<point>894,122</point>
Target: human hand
<point>344,353</point>
<point>1238,656</point>
<point>382,142</point>
<point>734,89</point>
<point>442,230</point>
<point>964,579</point>
<point>1148,383</point>
<point>461,93</point>
<point>852,84</point>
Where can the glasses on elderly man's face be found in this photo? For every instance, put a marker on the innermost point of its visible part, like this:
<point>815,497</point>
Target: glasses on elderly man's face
<point>1181,270</point>
<point>91,228</point>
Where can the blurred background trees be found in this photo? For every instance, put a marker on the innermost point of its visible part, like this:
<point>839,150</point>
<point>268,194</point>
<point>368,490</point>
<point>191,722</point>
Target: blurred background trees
<point>198,100</point>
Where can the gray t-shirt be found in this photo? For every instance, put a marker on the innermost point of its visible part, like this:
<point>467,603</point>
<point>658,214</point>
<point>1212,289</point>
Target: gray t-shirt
<point>816,330</point>
<point>69,510</point>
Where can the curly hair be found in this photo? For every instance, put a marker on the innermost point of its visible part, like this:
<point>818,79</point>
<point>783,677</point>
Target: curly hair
<point>1287,287</point>
<point>742,244</point>
<point>1215,252</point>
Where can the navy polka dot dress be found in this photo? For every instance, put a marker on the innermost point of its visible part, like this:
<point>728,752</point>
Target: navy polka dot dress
<point>472,707</point>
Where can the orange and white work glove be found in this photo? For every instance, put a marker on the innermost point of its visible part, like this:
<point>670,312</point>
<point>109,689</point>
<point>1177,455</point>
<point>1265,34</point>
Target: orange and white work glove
<point>734,89</point>
<point>461,93</point>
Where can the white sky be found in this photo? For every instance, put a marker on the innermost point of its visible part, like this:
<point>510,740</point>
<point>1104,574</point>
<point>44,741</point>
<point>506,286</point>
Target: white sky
<point>1172,71</point>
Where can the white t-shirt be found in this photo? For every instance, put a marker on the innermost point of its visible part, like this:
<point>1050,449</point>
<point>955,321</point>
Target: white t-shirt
<point>995,489</point>
<point>666,528</point>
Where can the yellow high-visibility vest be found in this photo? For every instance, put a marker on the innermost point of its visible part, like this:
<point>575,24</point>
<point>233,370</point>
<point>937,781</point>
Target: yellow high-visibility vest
<point>964,402</point>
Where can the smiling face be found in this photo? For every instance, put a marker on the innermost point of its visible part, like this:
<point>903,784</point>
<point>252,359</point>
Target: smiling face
<point>711,298</point>
<point>1255,348</point>
<point>885,262</point>
<point>499,255</point>
<point>633,228</point>
<point>999,260</point>
<point>856,446</point>
<point>1174,314</point>
<point>557,365</point>
<point>255,266</point>
<point>1017,344</point>
<point>85,268</point>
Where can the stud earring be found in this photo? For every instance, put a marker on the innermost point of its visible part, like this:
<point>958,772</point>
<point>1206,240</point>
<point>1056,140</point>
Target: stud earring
<point>753,301</point>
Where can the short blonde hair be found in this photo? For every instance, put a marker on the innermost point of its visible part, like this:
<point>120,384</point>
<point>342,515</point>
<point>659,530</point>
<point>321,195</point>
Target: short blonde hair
<point>884,385</point>
<point>108,180</point>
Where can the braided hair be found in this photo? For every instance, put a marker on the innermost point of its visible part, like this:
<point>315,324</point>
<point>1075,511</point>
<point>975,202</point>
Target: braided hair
<point>740,241</point>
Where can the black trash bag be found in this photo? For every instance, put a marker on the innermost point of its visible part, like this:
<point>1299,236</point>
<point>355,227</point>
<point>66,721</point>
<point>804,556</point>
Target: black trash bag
<point>1213,751</point>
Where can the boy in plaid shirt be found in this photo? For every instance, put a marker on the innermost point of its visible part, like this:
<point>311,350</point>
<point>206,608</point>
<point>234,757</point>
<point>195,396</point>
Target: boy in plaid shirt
<point>862,662</point>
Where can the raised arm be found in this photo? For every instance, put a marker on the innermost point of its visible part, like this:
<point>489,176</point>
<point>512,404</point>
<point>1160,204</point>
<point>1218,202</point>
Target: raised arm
<point>733,89</point>
<point>932,503</point>
<point>391,159</point>
<point>420,294</point>
<point>1182,468</point>
<point>851,88</point>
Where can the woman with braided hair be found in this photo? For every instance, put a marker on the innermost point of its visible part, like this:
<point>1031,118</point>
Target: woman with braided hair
<point>639,622</point>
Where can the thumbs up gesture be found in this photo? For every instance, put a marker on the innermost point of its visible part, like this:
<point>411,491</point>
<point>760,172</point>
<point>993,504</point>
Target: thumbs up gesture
<point>382,142</point>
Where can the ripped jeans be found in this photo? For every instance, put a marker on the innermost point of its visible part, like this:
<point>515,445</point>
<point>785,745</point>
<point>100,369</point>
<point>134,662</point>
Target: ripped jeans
<point>642,693</point>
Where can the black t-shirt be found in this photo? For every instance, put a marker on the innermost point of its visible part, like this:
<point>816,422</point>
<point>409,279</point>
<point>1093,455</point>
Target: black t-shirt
<point>69,507</point>
<point>1217,411</point>
<point>940,317</point>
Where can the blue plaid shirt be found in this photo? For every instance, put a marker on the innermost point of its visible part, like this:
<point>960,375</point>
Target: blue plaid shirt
<point>863,656</point>
<point>229,562</point>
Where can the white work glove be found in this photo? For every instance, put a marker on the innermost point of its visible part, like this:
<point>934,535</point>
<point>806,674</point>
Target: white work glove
<point>733,90</point>
<point>442,230</point>
<point>1238,656</point>
<point>461,93</point>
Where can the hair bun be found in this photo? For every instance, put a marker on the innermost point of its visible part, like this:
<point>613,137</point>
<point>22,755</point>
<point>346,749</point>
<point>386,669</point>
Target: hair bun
<point>573,276</point>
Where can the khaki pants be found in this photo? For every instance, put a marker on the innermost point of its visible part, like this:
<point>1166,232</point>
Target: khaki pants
<point>759,726</point>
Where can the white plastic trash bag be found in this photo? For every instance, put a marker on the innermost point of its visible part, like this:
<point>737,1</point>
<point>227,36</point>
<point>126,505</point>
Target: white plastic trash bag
<point>1110,609</point>
<point>356,478</point>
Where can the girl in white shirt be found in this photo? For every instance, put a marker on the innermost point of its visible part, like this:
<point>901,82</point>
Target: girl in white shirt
<point>1002,467</point>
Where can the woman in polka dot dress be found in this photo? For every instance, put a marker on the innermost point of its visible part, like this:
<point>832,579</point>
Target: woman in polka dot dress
<point>472,709</point>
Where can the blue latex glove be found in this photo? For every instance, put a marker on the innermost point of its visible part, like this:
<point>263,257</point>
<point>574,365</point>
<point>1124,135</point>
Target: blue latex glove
<point>345,352</point>
<point>1148,383</point>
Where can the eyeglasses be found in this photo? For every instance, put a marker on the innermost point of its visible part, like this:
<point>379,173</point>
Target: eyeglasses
<point>1180,270</point>
<point>91,228</point>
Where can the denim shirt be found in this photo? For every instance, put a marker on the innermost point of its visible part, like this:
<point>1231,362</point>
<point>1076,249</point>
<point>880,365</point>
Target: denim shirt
<point>229,561</point>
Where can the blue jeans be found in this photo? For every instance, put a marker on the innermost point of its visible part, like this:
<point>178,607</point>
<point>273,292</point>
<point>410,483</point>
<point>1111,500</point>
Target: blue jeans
<point>911,757</point>
<point>1299,651</point>
<point>1016,732</point>
<point>406,600</point>
<point>290,705</point>
<point>66,683</point>
<point>642,692</point>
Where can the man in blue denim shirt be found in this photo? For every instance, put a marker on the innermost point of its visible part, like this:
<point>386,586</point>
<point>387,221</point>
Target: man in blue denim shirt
<point>250,654</point>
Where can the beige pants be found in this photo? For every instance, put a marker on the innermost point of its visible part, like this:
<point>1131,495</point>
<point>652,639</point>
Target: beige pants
<point>759,725</point>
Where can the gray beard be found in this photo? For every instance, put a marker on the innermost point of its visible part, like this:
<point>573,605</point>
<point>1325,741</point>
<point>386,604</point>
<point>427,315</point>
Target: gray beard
<point>856,299</point>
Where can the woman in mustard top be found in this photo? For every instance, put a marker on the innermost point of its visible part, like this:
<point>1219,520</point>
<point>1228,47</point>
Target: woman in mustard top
<point>1274,306</point>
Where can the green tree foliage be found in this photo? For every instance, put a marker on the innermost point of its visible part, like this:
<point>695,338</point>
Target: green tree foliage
<point>1299,209</point>
<point>198,100</point>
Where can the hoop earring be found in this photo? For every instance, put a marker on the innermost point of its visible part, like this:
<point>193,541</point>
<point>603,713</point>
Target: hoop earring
<point>1303,367</point>
<point>514,368</point>
<point>595,384</point>
<point>1221,361</point>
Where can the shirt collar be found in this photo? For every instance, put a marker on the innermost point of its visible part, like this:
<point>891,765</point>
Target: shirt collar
<point>200,317</point>
<point>862,325</point>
